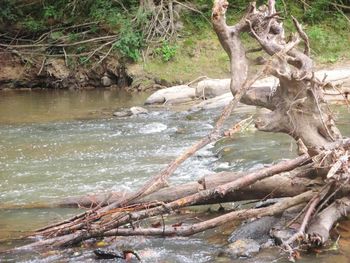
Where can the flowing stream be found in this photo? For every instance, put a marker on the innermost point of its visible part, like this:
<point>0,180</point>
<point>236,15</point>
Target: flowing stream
<point>56,144</point>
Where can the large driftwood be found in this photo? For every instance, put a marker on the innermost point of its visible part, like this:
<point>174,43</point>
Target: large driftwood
<point>173,231</point>
<point>120,219</point>
<point>286,184</point>
<point>275,209</point>
<point>296,105</point>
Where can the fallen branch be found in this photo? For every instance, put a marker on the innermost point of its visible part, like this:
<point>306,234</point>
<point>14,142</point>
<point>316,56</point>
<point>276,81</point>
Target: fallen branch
<point>285,184</point>
<point>96,39</point>
<point>318,232</point>
<point>275,209</point>
<point>301,231</point>
<point>222,190</point>
<point>185,231</point>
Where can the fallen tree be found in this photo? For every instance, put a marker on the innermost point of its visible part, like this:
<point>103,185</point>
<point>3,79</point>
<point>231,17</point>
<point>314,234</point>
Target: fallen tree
<point>296,107</point>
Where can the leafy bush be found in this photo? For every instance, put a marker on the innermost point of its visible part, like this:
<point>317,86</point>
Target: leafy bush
<point>50,12</point>
<point>8,11</point>
<point>129,44</point>
<point>33,25</point>
<point>166,51</point>
<point>315,13</point>
<point>128,26</point>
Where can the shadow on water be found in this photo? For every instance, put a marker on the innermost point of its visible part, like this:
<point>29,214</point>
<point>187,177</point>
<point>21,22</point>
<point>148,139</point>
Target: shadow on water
<point>55,144</point>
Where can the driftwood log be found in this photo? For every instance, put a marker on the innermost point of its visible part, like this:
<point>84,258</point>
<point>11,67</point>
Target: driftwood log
<point>318,178</point>
<point>286,184</point>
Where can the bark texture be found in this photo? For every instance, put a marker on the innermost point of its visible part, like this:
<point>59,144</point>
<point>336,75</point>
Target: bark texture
<point>297,106</point>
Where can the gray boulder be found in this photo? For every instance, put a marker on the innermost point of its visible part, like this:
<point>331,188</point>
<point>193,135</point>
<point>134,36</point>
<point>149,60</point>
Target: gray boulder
<point>138,110</point>
<point>257,230</point>
<point>217,102</point>
<point>210,88</point>
<point>133,111</point>
<point>335,76</point>
<point>106,81</point>
<point>172,95</point>
<point>241,248</point>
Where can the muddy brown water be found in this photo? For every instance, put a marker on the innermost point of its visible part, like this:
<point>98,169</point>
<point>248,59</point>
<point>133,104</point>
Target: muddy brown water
<point>55,144</point>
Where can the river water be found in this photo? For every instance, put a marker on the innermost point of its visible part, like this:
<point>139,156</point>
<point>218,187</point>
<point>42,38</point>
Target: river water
<point>56,144</point>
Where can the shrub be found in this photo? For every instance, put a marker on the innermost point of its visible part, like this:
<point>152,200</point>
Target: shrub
<point>166,51</point>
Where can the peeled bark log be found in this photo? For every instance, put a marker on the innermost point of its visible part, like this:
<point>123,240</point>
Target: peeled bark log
<point>318,232</point>
<point>275,209</point>
<point>119,219</point>
<point>286,184</point>
<point>172,231</point>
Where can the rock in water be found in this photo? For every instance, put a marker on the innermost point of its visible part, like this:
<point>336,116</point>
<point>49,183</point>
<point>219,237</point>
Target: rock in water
<point>241,248</point>
<point>133,111</point>
<point>154,127</point>
<point>257,230</point>
<point>106,81</point>
<point>248,238</point>
<point>210,88</point>
<point>172,95</point>
<point>138,110</point>
<point>217,102</point>
<point>336,76</point>
<point>123,113</point>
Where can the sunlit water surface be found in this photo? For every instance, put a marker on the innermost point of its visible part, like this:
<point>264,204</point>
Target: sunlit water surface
<point>56,144</point>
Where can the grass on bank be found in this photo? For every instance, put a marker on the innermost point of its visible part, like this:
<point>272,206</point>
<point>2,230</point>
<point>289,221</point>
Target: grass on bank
<point>196,52</point>
<point>200,53</point>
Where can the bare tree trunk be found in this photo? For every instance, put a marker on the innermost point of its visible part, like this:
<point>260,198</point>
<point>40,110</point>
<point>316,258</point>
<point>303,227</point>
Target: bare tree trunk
<point>297,104</point>
<point>286,184</point>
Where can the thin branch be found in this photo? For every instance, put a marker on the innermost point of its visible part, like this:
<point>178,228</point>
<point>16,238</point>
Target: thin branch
<point>192,9</point>
<point>341,12</point>
<point>301,232</point>
<point>97,39</point>
<point>303,36</point>
<point>42,66</point>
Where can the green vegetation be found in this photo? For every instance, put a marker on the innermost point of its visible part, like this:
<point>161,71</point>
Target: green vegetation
<point>199,53</point>
<point>195,51</point>
<point>166,51</point>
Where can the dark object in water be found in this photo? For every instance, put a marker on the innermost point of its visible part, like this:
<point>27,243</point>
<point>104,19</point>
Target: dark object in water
<point>108,254</point>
